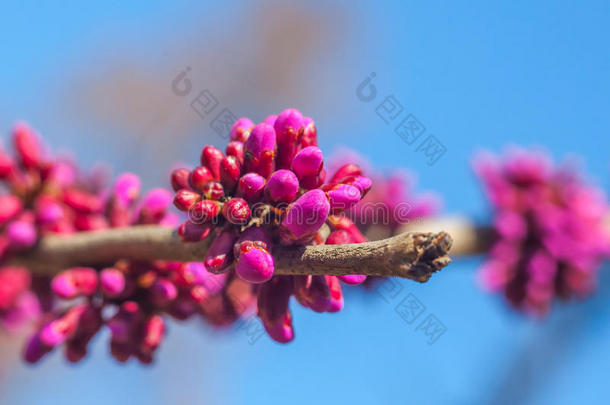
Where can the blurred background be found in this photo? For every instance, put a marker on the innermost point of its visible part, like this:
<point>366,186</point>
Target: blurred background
<point>99,80</point>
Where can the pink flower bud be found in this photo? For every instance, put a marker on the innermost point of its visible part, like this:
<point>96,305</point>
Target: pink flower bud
<point>260,150</point>
<point>73,282</point>
<point>310,134</point>
<point>189,274</point>
<point>163,292</point>
<point>250,187</point>
<point>306,215</point>
<point>307,164</point>
<point>213,191</point>
<point>353,279</point>
<point>362,183</point>
<point>282,186</point>
<point>312,292</point>
<point>180,179</point>
<point>10,206</point>
<point>220,254</point>
<point>204,211</point>
<point>82,201</point>
<point>127,189</point>
<point>240,131</point>
<point>273,299</point>
<point>192,232</point>
<point>229,173</point>
<point>346,224</point>
<point>112,282</point>
<point>288,126</point>
<point>344,171</point>
<point>270,120</point>
<point>35,349</point>
<point>342,197</point>
<point>254,263</point>
<point>27,145</point>
<point>236,149</point>
<point>211,157</point>
<point>336,296</point>
<point>236,211</point>
<point>7,165</point>
<point>21,233</point>
<point>200,177</point>
<point>154,329</point>
<point>90,222</point>
<point>154,206</point>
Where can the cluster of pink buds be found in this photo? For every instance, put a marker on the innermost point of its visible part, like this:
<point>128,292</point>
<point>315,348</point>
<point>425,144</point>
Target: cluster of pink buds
<point>269,187</point>
<point>131,298</point>
<point>550,237</point>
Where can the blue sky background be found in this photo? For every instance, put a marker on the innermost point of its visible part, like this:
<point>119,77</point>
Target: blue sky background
<point>477,75</point>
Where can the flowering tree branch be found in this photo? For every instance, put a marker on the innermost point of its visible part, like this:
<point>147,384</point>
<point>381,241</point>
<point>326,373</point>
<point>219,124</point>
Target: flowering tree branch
<point>414,255</point>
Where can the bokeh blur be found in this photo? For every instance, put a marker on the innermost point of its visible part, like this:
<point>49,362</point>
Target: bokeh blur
<point>97,79</point>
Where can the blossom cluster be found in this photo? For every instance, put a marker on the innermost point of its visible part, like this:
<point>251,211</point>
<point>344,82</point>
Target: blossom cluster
<point>49,195</point>
<point>269,187</point>
<point>549,227</point>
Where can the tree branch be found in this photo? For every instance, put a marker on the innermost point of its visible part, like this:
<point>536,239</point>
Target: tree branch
<point>414,255</point>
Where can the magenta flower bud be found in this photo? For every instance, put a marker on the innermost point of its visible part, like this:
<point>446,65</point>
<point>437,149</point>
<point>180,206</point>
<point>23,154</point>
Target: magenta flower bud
<point>342,197</point>
<point>189,274</point>
<point>260,150</point>
<point>10,206</point>
<point>236,149</point>
<point>250,187</point>
<point>180,179</point>
<point>199,177</point>
<point>192,232</point>
<point>7,164</point>
<point>112,282</point>
<point>254,263</point>
<point>312,292</point>
<point>236,211</point>
<point>90,222</point>
<point>307,164</point>
<point>48,211</point>
<point>204,211</point>
<point>336,295</point>
<point>127,188</point>
<point>154,329</point>
<point>353,279</point>
<point>73,282</point>
<point>270,120</point>
<point>273,299</point>
<point>21,233</point>
<point>346,224</point>
<point>306,215</point>
<point>185,199</point>
<point>210,158</point>
<point>35,349</point>
<point>283,186</point>
<point>347,170</point>
<point>82,201</point>
<point>154,206</point>
<point>27,145</point>
<point>288,127</point>
<point>230,170</point>
<point>220,254</point>
<point>213,191</point>
<point>362,183</point>
<point>240,131</point>
<point>163,292</point>
<point>310,134</point>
